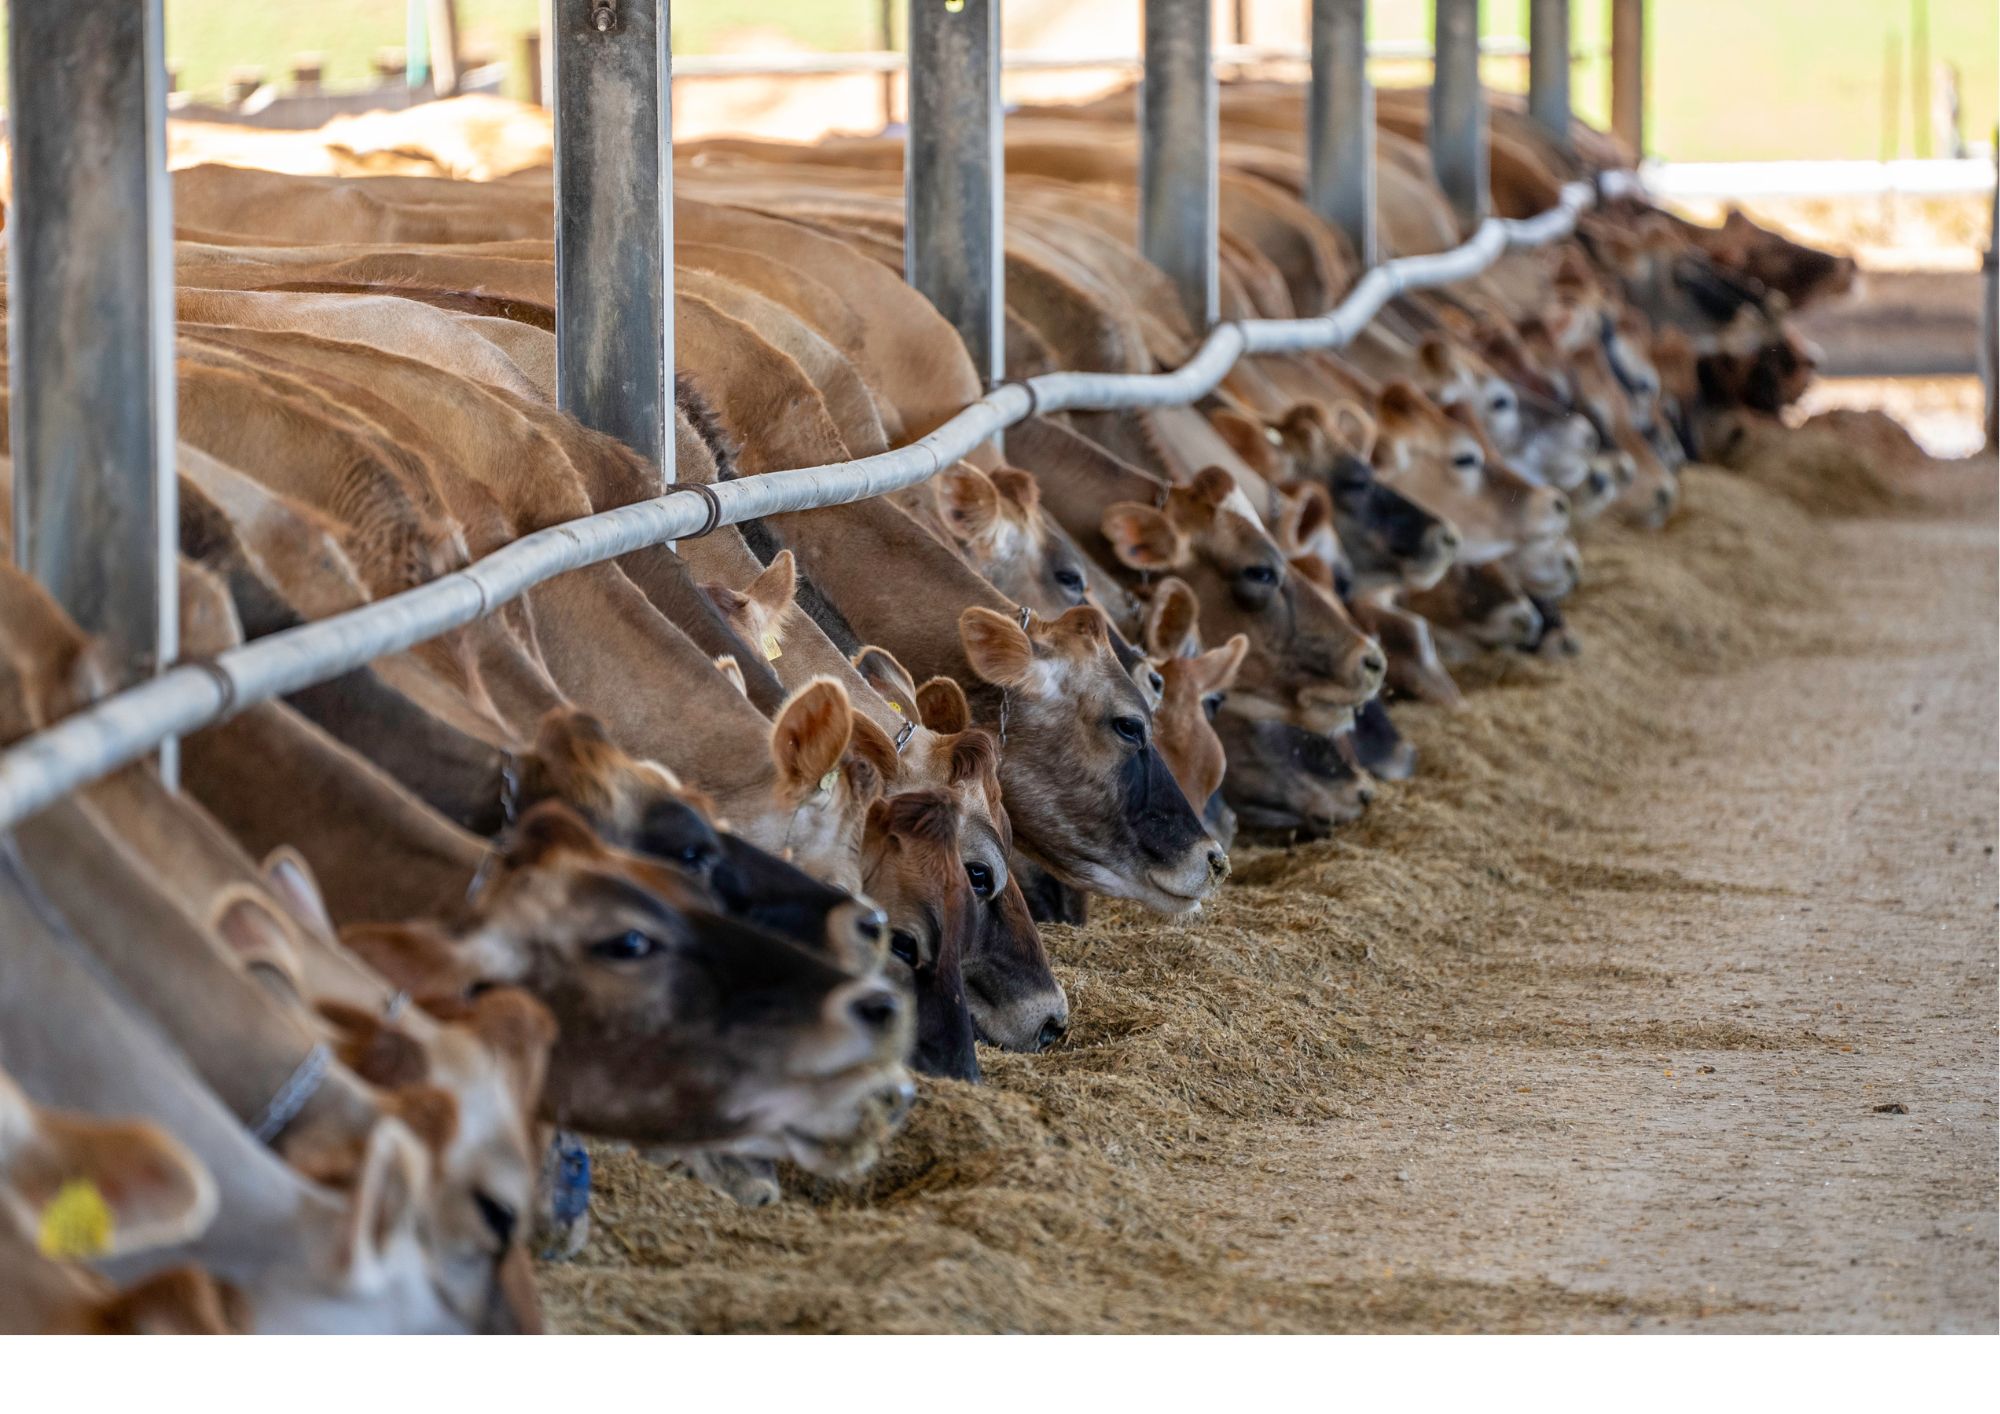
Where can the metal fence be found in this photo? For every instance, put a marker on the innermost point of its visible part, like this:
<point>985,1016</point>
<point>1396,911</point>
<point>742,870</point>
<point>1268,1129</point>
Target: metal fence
<point>94,440</point>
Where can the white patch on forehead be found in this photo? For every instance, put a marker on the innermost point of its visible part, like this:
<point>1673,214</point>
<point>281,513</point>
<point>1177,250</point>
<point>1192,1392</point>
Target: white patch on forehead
<point>1240,504</point>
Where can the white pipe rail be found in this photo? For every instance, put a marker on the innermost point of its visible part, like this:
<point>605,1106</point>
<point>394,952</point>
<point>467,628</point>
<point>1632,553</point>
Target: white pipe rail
<point>125,727</point>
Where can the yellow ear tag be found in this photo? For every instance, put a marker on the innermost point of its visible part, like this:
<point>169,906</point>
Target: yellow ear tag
<point>895,706</point>
<point>826,782</point>
<point>76,1223</point>
<point>771,649</point>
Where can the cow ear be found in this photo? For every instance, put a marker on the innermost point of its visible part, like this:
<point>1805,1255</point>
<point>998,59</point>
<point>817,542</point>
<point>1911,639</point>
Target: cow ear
<point>1354,427</point>
<point>1216,669</point>
<point>571,747</point>
<point>941,706</point>
<point>998,648</point>
<point>549,828</point>
<point>1435,358</point>
<point>430,1112</point>
<point>1020,487</point>
<point>1399,400</point>
<point>967,501</point>
<point>733,670</point>
<point>387,1193</point>
<point>104,1188</point>
<point>415,959</point>
<point>773,588</point>
<point>292,882</point>
<point>1172,621</point>
<point>1141,537</point>
<point>250,926</point>
<point>1246,437</point>
<point>380,1053</point>
<point>811,735</point>
<point>880,670</point>
<point>1084,624</point>
<point>872,744</point>
<point>1306,511</point>
<point>1212,485</point>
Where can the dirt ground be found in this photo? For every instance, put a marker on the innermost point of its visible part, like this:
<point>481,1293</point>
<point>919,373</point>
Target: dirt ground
<point>1664,998</point>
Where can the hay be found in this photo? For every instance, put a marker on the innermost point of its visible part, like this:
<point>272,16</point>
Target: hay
<point>1054,1197</point>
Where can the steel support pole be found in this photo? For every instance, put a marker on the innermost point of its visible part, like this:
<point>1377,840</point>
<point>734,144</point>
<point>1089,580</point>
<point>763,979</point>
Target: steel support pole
<point>90,321</point>
<point>1458,111</point>
<point>1628,74</point>
<point>1340,124</point>
<point>614,221</point>
<point>1178,221</point>
<point>1989,324</point>
<point>952,173</point>
<point>1548,69</point>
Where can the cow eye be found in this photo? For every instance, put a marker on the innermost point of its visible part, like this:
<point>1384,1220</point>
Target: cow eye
<point>628,946</point>
<point>1130,729</point>
<point>1500,402</point>
<point>1212,704</point>
<point>981,877</point>
<point>1069,581</point>
<point>1155,681</point>
<point>903,944</point>
<point>1260,574</point>
<point>1466,461</point>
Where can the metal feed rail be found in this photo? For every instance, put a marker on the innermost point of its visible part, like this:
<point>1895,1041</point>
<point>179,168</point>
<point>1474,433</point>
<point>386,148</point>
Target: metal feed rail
<point>125,727</point>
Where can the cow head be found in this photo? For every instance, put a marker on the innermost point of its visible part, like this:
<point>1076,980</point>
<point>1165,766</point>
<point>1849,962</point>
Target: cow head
<point>1476,608</point>
<point>1443,461</point>
<point>1538,438</point>
<point>911,865</point>
<point>1089,794</point>
<point>1193,685</point>
<point>675,1025</point>
<point>1387,537</point>
<point>1306,658</point>
<point>1284,780</point>
<point>1015,999</point>
<point>642,807</point>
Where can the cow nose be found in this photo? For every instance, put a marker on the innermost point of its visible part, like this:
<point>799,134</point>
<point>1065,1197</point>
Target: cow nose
<point>1559,506</point>
<point>874,1007</point>
<point>1373,663</point>
<point>1053,1030</point>
<point>1218,864</point>
<point>1366,795</point>
<point>1599,484</point>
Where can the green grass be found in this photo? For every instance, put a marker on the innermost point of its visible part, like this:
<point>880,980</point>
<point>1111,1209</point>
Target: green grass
<point>1730,79</point>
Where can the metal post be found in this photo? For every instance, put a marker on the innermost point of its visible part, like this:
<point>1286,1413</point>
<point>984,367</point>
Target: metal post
<point>1548,69</point>
<point>952,173</point>
<point>91,321</point>
<point>1458,111</point>
<point>1178,223</point>
<point>614,221</point>
<point>1340,124</point>
<point>1989,326</point>
<point>444,47</point>
<point>1628,74</point>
